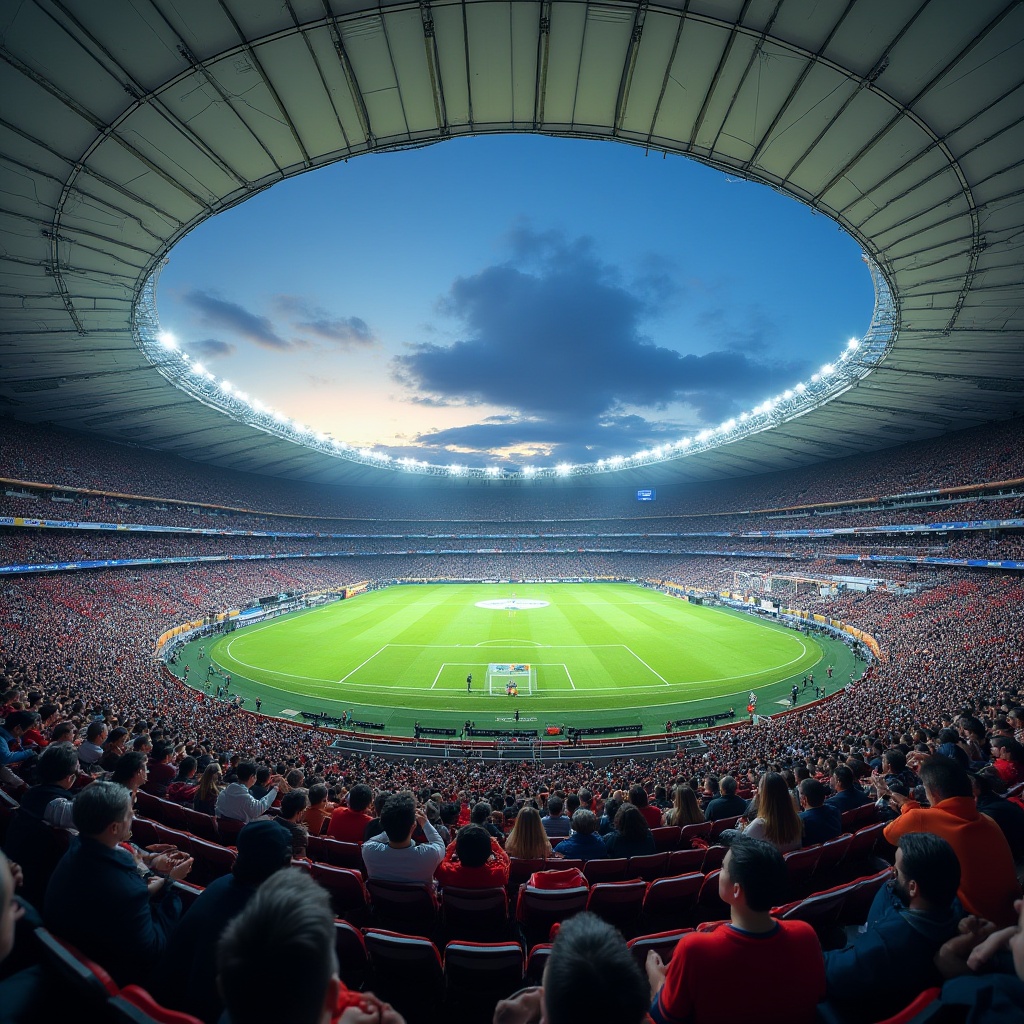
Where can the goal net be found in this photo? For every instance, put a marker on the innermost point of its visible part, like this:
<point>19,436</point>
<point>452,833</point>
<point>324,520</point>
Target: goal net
<point>508,680</point>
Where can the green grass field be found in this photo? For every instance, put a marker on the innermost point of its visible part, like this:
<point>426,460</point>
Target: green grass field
<point>403,653</point>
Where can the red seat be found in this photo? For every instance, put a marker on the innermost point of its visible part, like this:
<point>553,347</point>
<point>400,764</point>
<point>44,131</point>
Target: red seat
<point>833,853</point>
<point>618,903</point>
<point>202,825</point>
<point>353,964</point>
<point>554,864</point>
<point>670,900</point>
<point>801,865</point>
<point>188,893</point>
<point>860,895</point>
<point>681,862</point>
<point>316,849</point>
<point>909,1013</point>
<point>690,832</point>
<point>858,817</point>
<point>718,827</point>
<point>407,973</point>
<point>344,855</point>
<point>864,841</point>
<point>478,974</point>
<point>147,805</point>
<point>144,832</point>
<point>519,871</point>
<point>663,943</point>
<point>171,836</point>
<point>85,984</point>
<point>413,907</point>
<point>710,906</point>
<point>134,1005</point>
<point>212,861</point>
<point>648,866</point>
<point>536,962</point>
<point>538,909</point>
<point>474,913</point>
<point>348,892</point>
<point>611,869</point>
<point>228,829</point>
<point>168,813</point>
<point>666,838</point>
<point>821,910</point>
<point>713,858</point>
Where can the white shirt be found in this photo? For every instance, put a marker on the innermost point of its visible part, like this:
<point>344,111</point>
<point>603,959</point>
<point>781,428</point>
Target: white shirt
<point>414,863</point>
<point>236,802</point>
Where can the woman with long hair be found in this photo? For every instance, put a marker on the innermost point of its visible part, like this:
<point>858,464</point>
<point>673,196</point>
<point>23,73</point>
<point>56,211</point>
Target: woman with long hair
<point>631,836</point>
<point>685,809</point>
<point>777,819</point>
<point>528,840</point>
<point>205,799</point>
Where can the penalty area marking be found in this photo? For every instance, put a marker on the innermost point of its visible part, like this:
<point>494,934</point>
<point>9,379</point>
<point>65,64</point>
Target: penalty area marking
<point>512,604</point>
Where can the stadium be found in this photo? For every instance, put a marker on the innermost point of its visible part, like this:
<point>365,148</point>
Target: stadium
<point>247,669</point>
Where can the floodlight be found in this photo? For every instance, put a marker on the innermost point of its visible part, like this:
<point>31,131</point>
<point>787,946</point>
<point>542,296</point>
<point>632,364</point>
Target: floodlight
<point>827,370</point>
<point>801,388</point>
<point>528,470</point>
<point>852,343</point>
<point>563,468</point>
<point>167,340</point>
<point>198,368</point>
<point>492,470</point>
<point>456,470</point>
<point>225,385</point>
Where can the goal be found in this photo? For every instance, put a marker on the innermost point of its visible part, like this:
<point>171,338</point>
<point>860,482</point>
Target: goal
<point>517,680</point>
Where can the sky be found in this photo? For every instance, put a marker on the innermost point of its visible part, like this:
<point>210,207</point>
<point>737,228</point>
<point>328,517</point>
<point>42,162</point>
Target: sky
<point>515,300</point>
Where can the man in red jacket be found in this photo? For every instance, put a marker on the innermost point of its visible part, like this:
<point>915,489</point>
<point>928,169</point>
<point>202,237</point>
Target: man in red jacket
<point>349,823</point>
<point>474,861</point>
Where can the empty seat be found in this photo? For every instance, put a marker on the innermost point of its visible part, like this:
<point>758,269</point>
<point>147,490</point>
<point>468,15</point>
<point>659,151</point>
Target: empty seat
<point>134,1005</point>
<point>353,964</point>
<point>858,817</point>
<point>228,829</point>
<point>666,838</point>
<point>618,903</point>
<point>821,910</point>
<point>406,972</point>
<point>401,905</point>
<point>536,962</point>
<point>681,862</point>
<point>344,855</point>
<point>670,901</point>
<point>690,832</point>
<point>801,865</point>
<point>648,866</point>
<point>718,827</point>
<point>710,906</point>
<point>474,913</point>
<point>833,853</point>
<point>348,892</point>
<point>713,858</point>
<point>610,869</point>
<point>860,895</point>
<point>478,974</point>
<point>663,943</point>
<point>538,909</point>
<point>202,825</point>
<point>82,982</point>
<point>519,871</point>
<point>212,860</point>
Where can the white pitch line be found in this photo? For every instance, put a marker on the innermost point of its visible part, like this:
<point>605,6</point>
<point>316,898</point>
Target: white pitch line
<point>645,665</point>
<point>368,660</point>
<point>571,683</point>
<point>438,676</point>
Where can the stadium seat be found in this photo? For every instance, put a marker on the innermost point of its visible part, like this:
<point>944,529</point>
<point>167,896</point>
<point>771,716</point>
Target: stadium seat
<point>860,895</point>
<point>663,943</point>
<point>713,858</point>
<point>344,855</point>
<point>680,862</point>
<point>710,906</point>
<point>348,891</point>
<point>858,817</point>
<point>915,1008</point>
<point>474,913</point>
<point>317,849</point>
<point>821,910</point>
<point>406,972</point>
<point>350,946</point>
<point>519,871</point>
<point>171,836</point>
<point>536,962</point>
<point>187,892</point>
<point>718,827</point>
<point>134,1005</point>
<point>228,829</point>
<point>670,900</point>
<point>666,838</point>
<point>477,975</point>
<point>202,825</point>
<point>690,832</point>
<point>833,853</point>
<point>168,813</point>
<point>648,866</point>
<point>554,864</point>
<point>618,903</point>
<point>144,832</point>
<point>398,904</point>
<point>610,869</point>
<point>801,865</point>
<point>147,805</point>
<point>862,847</point>
<point>83,983</point>
<point>538,909</point>
<point>212,860</point>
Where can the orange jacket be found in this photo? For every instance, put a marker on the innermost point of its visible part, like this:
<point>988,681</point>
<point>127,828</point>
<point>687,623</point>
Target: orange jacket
<point>988,879</point>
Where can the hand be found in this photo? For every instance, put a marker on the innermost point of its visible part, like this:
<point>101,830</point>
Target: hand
<point>162,848</point>
<point>181,869</point>
<point>989,946</point>
<point>421,817</point>
<point>656,971</point>
<point>951,959</point>
<point>524,1007</point>
<point>17,875</point>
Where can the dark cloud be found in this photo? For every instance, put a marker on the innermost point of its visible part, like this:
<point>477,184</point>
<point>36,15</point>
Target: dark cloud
<point>343,332</point>
<point>210,348</point>
<point>218,312</point>
<point>556,333</point>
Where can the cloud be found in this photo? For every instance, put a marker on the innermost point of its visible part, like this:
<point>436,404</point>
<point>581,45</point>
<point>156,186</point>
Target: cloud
<point>218,312</point>
<point>344,332</point>
<point>210,348</point>
<point>555,333</point>
<point>316,381</point>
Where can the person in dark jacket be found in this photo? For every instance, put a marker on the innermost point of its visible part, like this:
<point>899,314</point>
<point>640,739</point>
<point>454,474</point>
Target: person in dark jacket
<point>848,795</point>
<point>890,959</point>
<point>989,790</point>
<point>98,901</point>
<point>583,843</point>
<point>728,805</point>
<point>187,975</point>
<point>631,837</point>
<point>821,823</point>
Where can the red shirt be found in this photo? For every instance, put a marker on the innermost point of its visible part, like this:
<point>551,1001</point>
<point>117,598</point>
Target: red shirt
<point>348,825</point>
<point>652,815</point>
<point>493,872</point>
<point>726,975</point>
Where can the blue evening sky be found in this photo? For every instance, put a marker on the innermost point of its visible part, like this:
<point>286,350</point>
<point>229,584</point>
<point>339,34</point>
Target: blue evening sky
<point>515,299</point>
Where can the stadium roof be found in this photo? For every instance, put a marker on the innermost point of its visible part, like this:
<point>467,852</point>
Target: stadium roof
<point>125,125</point>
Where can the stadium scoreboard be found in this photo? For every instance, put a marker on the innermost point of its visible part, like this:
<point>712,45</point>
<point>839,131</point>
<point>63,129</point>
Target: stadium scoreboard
<point>648,494</point>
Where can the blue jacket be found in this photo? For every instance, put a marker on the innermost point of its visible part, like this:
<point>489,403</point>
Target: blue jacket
<point>889,961</point>
<point>98,902</point>
<point>848,800</point>
<point>577,847</point>
<point>821,824</point>
<point>8,756</point>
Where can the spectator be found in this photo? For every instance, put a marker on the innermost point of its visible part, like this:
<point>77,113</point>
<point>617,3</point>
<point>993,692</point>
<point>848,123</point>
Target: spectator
<point>821,822</point>
<point>590,976</point>
<point>890,959</point>
<point>320,809</point>
<point>161,772</point>
<point>583,843</point>
<point>205,800</point>
<point>22,994</point>
<point>373,827</point>
<point>131,772</point>
<point>91,750</point>
<point>234,801</point>
<point>556,824</point>
<point>349,823</point>
<point>699,984</point>
<point>289,920</point>
<point>988,879</point>
<point>728,805</point>
<point>639,799</point>
<point>393,856</point>
<point>115,746</point>
<point>685,809</point>
<point>475,860</point>
<point>528,840</point>
<point>293,808</point>
<point>848,795</point>
<point>1008,759</point>
<point>11,732</point>
<point>187,974</point>
<point>480,815</point>
<point>631,836</point>
<point>184,787</point>
<point>777,819</point>
<point>989,788</point>
<point>96,873</point>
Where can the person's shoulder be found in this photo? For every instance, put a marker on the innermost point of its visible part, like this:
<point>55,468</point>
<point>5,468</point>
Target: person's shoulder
<point>798,932</point>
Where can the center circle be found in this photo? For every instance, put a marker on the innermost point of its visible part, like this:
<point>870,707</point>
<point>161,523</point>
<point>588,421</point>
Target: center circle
<point>512,604</point>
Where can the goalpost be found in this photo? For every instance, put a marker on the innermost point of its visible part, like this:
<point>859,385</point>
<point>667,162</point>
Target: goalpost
<point>511,680</point>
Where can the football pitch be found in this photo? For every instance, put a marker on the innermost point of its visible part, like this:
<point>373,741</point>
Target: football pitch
<point>404,653</point>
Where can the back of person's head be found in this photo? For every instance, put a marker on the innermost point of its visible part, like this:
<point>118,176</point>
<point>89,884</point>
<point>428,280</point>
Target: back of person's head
<point>813,792</point>
<point>481,812</point>
<point>591,976</point>
<point>930,861</point>
<point>948,736</point>
<point>759,870</point>
<point>128,766</point>
<point>988,781</point>
<point>141,741</point>
<point>262,775</point>
<point>844,777</point>
<point>187,767</point>
<point>585,795</point>
<point>398,816</point>
<point>58,761</point>
<point>728,785</point>
<point>294,802</point>
<point>944,778</point>
<point>449,813</point>
<point>584,822</point>
<point>473,845</point>
<point>162,749</point>
<point>638,796</point>
<point>100,805</point>
<point>95,731</point>
<point>629,822</point>
<point>555,805</point>
<point>317,794</point>
<point>263,848</point>
<point>895,759</point>
<point>288,921</point>
<point>246,771</point>
<point>360,797</point>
